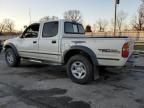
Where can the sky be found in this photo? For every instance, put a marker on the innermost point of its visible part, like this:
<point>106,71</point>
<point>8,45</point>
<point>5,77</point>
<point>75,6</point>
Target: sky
<point>92,10</point>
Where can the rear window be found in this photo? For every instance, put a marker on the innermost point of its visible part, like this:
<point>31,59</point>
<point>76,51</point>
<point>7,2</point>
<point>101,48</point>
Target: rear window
<point>73,28</point>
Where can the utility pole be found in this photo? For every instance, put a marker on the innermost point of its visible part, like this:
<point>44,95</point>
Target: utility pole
<point>115,16</point>
<point>30,15</point>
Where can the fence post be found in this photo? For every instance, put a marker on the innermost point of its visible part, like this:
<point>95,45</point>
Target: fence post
<point>120,34</point>
<point>105,34</point>
<point>138,36</point>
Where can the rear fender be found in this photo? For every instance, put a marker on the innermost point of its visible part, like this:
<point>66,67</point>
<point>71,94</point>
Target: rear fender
<point>92,57</point>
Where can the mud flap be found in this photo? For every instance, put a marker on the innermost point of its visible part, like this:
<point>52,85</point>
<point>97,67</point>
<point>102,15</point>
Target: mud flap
<point>96,73</point>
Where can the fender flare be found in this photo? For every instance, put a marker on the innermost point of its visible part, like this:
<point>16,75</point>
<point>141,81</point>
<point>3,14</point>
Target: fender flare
<point>92,55</point>
<point>10,45</point>
<point>88,51</point>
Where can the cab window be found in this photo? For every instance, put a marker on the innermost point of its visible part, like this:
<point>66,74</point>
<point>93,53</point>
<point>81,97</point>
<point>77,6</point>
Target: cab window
<point>32,31</point>
<point>50,29</point>
<point>73,28</point>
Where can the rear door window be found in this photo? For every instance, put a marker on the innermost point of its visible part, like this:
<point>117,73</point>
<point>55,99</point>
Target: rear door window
<point>69,28</point>
<point>81,29</point>
<point>50,29</point>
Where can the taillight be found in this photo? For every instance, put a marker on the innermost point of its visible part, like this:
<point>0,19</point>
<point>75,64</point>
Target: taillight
<point>125,50</point>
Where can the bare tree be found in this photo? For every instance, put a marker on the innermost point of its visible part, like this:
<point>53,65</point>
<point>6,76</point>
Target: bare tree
<point>74,15</point>
<point>126,27</point>
<point>121,17</point>
<point>102,24</point>
<point>47,18</point>
<point>9,25</point>
<point>112,24</point>
<point>94,27</point>
<point>138,21</point>
<point>2,27</point>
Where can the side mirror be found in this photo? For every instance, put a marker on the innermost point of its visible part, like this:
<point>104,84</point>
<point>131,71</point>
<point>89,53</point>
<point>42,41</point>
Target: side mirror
<point>21,36</point>
<point>25,26</point>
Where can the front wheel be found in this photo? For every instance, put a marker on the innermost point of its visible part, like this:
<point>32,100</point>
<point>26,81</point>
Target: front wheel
<point>79,69</point>
<point>11,59</point>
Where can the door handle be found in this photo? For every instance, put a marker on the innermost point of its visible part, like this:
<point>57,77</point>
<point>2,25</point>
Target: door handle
<point>34,42</point>
<point>53,41</point>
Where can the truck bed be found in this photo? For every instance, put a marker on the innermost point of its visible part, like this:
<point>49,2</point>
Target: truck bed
<point>107,49</point>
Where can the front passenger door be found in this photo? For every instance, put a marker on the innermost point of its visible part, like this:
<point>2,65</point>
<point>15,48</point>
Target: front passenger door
<point>28,43</point>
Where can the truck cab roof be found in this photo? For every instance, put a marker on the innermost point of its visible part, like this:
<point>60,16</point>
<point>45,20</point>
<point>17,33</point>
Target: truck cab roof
<point>61,20</point>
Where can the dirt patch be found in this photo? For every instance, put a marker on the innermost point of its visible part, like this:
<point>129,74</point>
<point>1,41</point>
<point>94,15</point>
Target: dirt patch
<point>141,101</point>
<point>120,86</point>
<point>39,71</point>
<point>49,99</point>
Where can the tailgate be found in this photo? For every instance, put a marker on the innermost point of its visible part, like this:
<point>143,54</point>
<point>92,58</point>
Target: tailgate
<point>131,46</point>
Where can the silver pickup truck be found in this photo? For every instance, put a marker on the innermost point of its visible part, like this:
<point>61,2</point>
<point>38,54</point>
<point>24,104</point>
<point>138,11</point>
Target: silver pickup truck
<point>63,42</point>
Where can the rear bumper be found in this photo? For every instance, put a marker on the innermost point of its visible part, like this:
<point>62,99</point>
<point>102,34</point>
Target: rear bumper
<point>115,62</point>
<point>130,61</point>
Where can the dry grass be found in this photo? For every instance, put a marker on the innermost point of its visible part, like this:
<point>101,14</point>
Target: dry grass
<point>139,47</point>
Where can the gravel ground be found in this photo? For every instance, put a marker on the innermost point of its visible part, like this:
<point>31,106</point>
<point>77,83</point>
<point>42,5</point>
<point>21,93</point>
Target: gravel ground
<point>41,86</point>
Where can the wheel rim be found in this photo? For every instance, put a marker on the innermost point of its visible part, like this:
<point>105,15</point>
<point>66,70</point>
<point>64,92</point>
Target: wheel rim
<point>10,58</point>
<point>78,70</point>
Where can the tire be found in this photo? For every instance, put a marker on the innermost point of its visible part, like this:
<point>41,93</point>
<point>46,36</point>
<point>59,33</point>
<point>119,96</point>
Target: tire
<point>11,59</point>
<point>79,69</point>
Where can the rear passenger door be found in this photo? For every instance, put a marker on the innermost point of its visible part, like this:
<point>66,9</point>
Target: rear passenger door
<point>49,42</point>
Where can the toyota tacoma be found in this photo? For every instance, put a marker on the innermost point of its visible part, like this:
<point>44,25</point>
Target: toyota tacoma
<point>63,42</point>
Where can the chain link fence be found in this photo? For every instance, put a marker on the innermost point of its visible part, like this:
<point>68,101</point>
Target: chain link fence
<point>138,37</point>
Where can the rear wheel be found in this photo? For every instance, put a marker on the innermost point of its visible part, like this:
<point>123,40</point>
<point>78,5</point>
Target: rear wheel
<point>79,69</point>
<point>11,59</point>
